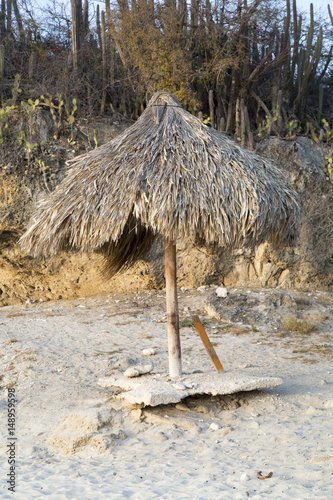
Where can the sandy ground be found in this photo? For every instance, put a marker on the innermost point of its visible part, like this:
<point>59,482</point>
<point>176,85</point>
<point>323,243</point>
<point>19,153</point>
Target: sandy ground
<point>76,440</point>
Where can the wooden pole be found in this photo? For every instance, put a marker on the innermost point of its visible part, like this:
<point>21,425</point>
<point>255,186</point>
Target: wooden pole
<point>175,366</point>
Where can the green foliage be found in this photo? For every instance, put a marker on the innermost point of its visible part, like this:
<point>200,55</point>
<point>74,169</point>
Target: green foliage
<point>265,128</point>
<point>328,132</point>
<point>4,115</point>
<point>16,90</point>
<point>186,323</point>
<point>70,116</point>
<point>18,141</point>
<point>329,169</point>
<point>292,128</point>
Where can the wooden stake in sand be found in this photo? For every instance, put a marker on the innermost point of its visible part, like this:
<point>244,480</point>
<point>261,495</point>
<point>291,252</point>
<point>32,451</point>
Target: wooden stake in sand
<point>207,343</point>
<point>175,366</point>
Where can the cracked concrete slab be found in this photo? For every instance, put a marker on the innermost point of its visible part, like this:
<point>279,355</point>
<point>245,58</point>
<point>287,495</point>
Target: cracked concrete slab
<point>157,389</point>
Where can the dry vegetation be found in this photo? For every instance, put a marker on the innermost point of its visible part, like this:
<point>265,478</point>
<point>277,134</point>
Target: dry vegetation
<point>249,70</point>
<point>304,325</point>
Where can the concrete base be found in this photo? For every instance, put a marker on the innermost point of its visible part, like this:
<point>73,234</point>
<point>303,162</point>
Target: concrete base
<point>156,389</point>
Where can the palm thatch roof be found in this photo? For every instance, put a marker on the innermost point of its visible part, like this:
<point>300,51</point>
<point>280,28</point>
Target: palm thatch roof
<point>170,174</point>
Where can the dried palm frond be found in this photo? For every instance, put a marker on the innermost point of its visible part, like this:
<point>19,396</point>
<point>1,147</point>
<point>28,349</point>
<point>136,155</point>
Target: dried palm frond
<point>168,173</point>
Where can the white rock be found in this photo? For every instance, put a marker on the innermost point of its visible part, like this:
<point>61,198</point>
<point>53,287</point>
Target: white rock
<point>245,477</point>
<point>202,288</point>
<point>214,426</point>
<point>136,371</point>
<point>131,372</point>
<point>148,352</point>
<point>221,292</point>
<point>190,385</point>
<point>145,368</point>
<point>179,386</point>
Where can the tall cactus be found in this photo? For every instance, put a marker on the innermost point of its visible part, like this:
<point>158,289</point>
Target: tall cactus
<point>297,21</point>
<point>98,27</point>
<point>77,28</point>
<point>103,61</point>
<point>309,69</point>
<point>2,69</point>
<point>75,37</point>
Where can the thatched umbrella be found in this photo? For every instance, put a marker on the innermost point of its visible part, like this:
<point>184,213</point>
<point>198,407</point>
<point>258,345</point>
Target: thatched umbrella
<point>168,174</point>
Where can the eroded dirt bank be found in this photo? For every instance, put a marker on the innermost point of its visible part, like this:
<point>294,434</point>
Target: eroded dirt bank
<point>307,266</point>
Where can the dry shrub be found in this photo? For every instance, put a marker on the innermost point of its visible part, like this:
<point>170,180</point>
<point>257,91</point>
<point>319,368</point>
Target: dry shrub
<point>303,326</point>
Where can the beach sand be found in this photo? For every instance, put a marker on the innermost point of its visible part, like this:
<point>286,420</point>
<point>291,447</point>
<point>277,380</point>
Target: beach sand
<point>76,439</point>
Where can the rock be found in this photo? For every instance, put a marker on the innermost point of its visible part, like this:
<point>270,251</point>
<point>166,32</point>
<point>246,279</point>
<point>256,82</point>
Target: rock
<point>148,352</point>
<point>136,371</point>
<point>245,477</point>
<point>202,409</point>
<point>179,386</point>
<point>214,426</point>
<point>43,125</point>
<point>182,407</point>
<point>280,299</point>
<point>221,292</point>
<point>234,308</point>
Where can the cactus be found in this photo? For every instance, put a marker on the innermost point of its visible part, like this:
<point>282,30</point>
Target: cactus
<point>320,106</point>
<point>98,27</point>
<point>211,108</point>
<point>86,18</point>
<point>310,67</point>
<point>2,62</point>
<point>242,124</point>
<point>278,112</point>
<point>32,65</point>
<point>104,67</point>
<point>2,70</point>
<point>74,33</point>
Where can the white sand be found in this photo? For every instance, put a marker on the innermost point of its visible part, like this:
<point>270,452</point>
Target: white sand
<point>77,441</point>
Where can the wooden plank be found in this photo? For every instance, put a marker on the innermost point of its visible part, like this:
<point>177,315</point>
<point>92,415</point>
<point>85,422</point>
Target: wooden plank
<point>207,343</point>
